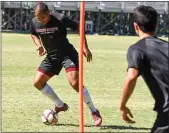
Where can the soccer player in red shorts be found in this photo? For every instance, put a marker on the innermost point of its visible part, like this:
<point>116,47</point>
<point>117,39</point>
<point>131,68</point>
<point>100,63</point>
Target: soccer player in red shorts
<point>49,32</point>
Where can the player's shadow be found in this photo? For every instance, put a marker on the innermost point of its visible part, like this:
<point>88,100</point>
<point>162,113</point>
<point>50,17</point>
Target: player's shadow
<point>104,127</point>
<point>72,125</point>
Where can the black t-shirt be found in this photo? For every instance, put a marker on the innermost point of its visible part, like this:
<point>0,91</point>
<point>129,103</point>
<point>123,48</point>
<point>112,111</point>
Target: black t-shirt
<point>53,34</point>
<point>150,56</point>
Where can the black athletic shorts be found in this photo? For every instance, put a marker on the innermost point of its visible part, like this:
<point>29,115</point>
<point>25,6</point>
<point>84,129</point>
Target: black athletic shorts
<point>52,65</point>
<point>161,124</point>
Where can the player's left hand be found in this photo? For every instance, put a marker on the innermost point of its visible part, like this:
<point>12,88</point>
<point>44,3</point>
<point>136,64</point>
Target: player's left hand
<point>88,54</point>
<point>125,113</point>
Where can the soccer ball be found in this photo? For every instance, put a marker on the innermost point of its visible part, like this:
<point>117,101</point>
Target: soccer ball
<point>49,117</point>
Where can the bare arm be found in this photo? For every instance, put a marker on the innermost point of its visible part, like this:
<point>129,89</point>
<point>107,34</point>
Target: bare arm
<point>75,26</point>
<point>40,49</point>
<point>85,44</point>
<point>36,40</point>
<point>128,87</point>
<point>87,51</point>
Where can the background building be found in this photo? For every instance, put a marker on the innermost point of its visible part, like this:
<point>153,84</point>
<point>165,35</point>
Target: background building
<point>112,18</point>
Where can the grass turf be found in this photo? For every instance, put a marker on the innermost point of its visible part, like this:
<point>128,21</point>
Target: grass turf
<point>22,104</point>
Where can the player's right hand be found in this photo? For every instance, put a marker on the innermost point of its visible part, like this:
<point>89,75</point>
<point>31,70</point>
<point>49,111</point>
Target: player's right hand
<point>126,115</point>
<point>41,51</point>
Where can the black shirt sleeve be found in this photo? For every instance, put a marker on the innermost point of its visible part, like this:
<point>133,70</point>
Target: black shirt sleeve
<point>33,30</point>
<point>135,59</point>
<point>68,23</point>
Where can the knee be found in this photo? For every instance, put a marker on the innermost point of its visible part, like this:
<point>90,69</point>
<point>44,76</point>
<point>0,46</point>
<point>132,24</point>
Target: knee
<point>74,84</point>
<point>38,84</point>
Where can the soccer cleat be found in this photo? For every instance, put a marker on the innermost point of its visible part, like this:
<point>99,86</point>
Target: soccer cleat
<point>97,118</point>
<point>59,109</point>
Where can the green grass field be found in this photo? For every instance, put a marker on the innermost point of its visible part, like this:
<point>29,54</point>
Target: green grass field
<point>22,104</point>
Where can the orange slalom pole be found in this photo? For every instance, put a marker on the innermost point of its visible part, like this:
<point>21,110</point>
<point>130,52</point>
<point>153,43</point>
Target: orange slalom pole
<point>82,16</point>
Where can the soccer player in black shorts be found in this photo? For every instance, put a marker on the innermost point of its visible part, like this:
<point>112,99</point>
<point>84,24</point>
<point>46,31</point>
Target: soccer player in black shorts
<point>148,58</point>
<point>49,32</point>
